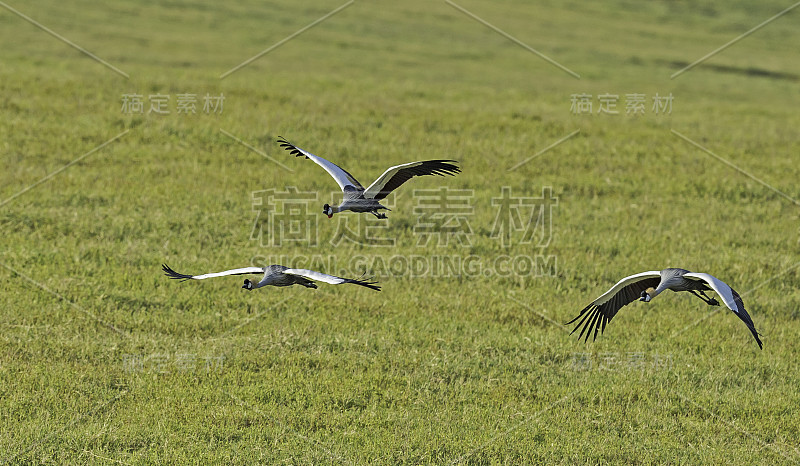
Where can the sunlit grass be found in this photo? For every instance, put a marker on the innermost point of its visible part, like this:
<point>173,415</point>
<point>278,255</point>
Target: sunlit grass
<point>436,368</point>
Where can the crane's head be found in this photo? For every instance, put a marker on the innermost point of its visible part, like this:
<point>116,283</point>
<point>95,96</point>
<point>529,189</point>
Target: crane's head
<point>248,285</point>
<point>647,294</point>
<point>327,210</point>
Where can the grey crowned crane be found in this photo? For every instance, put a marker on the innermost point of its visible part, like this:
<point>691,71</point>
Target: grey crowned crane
<point>647,285</point>
<point>358,199</point>
<point>275,275</point>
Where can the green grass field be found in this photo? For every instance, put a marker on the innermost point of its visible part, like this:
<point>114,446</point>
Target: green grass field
<point>105,360</point>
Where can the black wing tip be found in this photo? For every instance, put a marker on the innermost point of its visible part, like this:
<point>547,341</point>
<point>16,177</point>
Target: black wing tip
<point>173,274</point>
<point>442,167</point>
<point>745,317</point>
<point>758,340</point>
<point>372,285</point>
<point>294,150</point>
<point>591,317</point>
<point>583,311</point>
<point>755,333</point>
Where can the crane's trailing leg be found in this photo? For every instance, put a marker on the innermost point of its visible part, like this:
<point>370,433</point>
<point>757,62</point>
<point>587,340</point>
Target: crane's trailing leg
<point>705,298</point>
<point>711,301</point>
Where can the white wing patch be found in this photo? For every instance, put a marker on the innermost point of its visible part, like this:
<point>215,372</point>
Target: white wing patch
<point>318,276</point>
<point>241,271</point>
<point>625,282</point>
<point>721,288</point>
<point>338,173</point>
<point>182,276</point>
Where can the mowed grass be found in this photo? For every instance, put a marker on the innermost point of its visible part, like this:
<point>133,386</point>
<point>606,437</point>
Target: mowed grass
<point>103,359</point>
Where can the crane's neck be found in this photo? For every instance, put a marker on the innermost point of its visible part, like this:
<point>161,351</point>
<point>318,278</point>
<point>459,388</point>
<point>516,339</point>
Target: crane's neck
<point>652,293</point>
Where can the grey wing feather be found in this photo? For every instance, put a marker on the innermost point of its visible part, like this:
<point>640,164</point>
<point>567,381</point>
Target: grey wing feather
<point>395,176</point>
<point>596,316</point>
<point>333,280</point>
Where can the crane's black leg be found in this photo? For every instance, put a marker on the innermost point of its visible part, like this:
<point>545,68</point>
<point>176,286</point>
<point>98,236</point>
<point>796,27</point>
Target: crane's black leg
<point>706,299</point>
<point>378,214</point>
<point>711,301</point>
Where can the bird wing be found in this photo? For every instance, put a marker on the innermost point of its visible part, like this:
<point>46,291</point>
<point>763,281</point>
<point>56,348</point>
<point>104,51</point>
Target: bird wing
<point>722,289</point>
<point>597,314</point>
<point>180,276</point>
<point>342,177</point>
<point>399,174</point>
<point>323,277</point>
<point>730,297</point>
